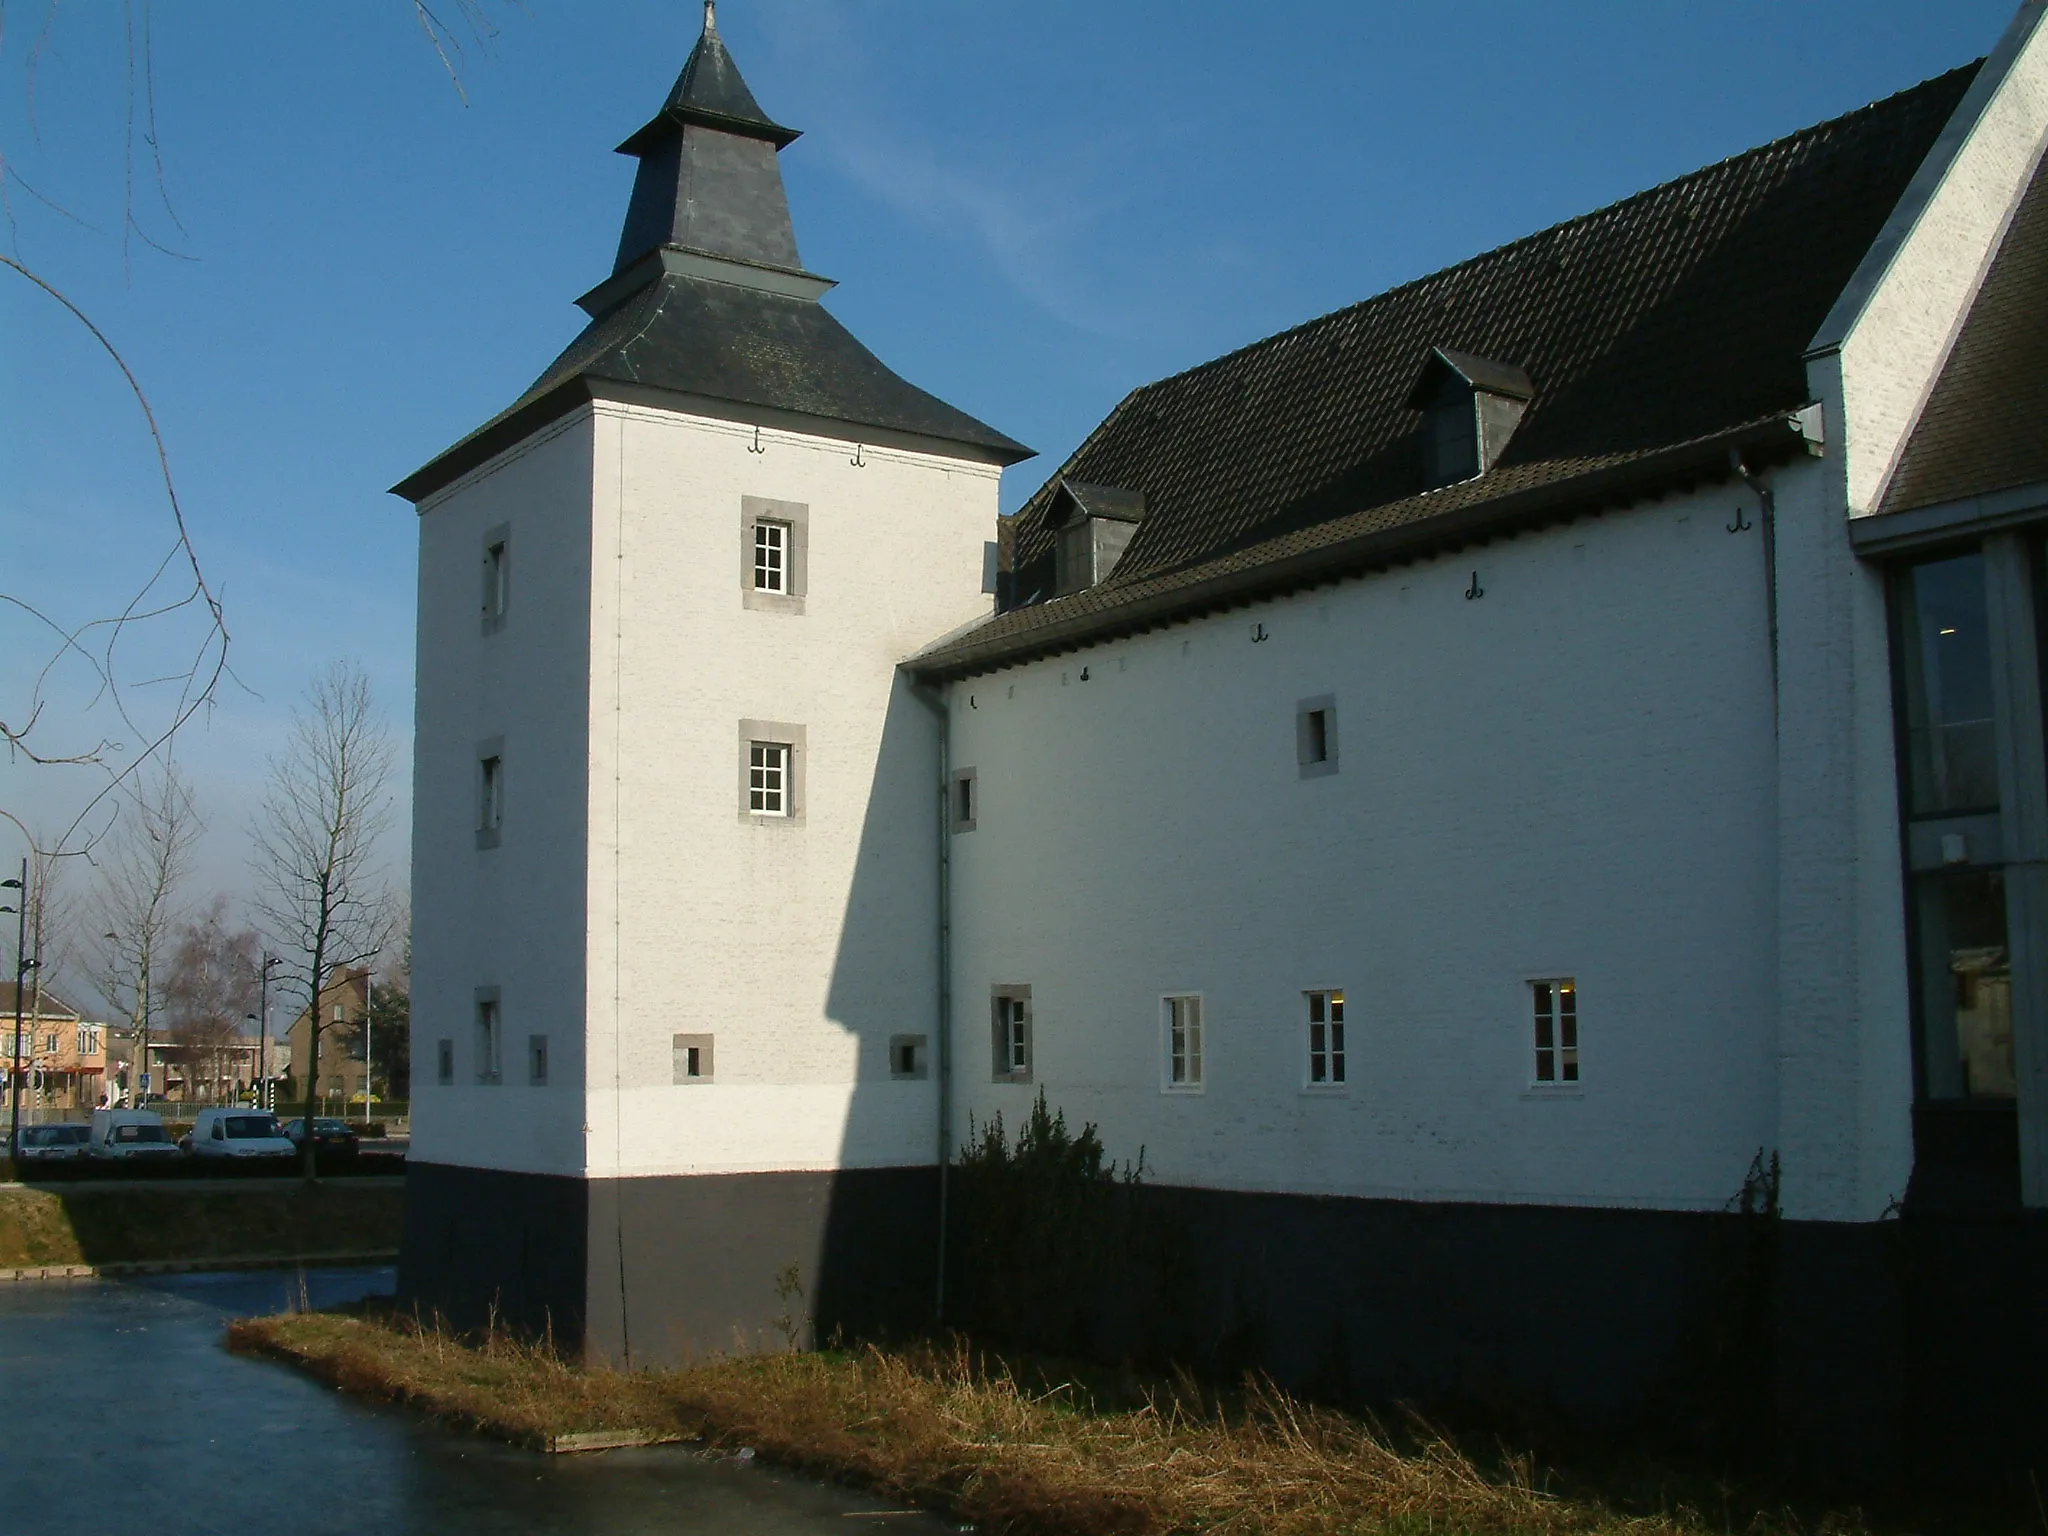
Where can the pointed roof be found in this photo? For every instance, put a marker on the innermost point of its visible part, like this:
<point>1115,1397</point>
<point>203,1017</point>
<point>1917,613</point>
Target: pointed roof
<point>708,301</point>
<point>710,92</point>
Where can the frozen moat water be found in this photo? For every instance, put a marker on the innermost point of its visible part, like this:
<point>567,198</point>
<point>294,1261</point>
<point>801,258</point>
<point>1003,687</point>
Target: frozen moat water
<point>123,1413</point>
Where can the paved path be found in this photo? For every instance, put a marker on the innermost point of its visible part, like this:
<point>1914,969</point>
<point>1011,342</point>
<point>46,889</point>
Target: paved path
<point>124,1414</point>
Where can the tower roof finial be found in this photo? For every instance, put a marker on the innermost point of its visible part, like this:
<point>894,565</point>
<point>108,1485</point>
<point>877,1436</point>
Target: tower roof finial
<point>710,15</point>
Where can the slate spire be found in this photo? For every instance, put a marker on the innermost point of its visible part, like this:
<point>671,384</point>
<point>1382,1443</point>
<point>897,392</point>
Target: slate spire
<point>709,183</point>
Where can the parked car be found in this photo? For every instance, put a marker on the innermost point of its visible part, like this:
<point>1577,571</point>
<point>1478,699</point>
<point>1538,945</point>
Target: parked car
<point>238,1133</point>
<point>131,1135</point>
<point>55,1143</point>
<point>328,1135</point>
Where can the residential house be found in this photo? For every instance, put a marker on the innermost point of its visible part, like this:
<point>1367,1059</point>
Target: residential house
<point>1475,787</point>
<point>344,1003</point>
<point>63,1058</point>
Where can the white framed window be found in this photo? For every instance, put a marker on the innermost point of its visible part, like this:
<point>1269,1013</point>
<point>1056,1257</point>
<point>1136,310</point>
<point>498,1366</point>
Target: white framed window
<point>774,536</point>
<point>1180,1032</point>
<point>1555,1004</point>
<point>1326,1059</point>
<point>768,778</point>
<point>690,1059</point>
<point>1010,1034</point>
<point>489,1035</point>
<point>497,577</point>
<point>771,556</point>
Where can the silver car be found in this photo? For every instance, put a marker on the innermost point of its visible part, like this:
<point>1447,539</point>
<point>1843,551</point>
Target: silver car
<point>55,1143</point>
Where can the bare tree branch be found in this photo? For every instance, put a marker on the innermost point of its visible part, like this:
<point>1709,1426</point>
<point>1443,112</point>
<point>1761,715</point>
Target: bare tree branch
<point>315,842</point>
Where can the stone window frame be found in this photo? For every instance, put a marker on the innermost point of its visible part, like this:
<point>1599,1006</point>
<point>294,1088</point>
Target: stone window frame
<point>681,1047</point>
<point>490,791</point>
<point>1316,759</point>
<point>795,517</point>
<point>490,1037</point>
<point>780,733</point>
<point>497,576</point>
<point>963,799</point>
<point>919,1063</point>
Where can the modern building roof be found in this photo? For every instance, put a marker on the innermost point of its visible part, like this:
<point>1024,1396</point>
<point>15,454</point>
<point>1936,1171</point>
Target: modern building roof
<point>1982,428</point>
<point>708,300</point>
<point>1655,335</point>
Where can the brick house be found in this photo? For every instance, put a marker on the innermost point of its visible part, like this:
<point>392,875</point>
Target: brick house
<point>344,1002</point>
<point>64,1054</point>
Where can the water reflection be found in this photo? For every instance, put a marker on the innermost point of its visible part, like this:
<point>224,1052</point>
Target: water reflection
<point>125,1414</point>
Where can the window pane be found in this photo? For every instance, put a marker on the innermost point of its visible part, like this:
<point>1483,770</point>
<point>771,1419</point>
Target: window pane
<point>1543,1034</point>
<point>1945,648</point>
<point>1315,1007</point>
<point>1570,1065</point>
<point>1337,1007</point>
<point>1544,1070</point>
<point>1965,986</point>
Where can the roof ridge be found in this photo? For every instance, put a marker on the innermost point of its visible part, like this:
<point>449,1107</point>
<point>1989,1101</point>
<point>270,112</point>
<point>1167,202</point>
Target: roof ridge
<point>1387,295</point>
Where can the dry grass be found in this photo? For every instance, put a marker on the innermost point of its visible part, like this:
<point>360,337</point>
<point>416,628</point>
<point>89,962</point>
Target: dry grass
<point>957,1432</point>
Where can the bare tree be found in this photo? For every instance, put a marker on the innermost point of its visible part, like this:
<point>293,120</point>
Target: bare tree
<point>315,846</point>
<point>209,988</point>
<point>137,899</point>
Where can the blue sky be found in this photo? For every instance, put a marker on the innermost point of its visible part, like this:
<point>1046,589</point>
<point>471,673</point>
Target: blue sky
<point>1030,208</point>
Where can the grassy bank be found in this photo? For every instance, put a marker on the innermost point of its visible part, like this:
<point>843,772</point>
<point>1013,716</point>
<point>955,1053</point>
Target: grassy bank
<point>169,1222</point>
<point>961,1434</point>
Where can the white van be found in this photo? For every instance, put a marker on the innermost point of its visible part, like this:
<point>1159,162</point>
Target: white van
<point>136,1135</point>
<point>239,1133</point>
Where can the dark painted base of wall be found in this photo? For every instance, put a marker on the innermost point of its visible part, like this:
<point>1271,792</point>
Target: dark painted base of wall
<point>1913,1350</point>
<point>654,1271</point>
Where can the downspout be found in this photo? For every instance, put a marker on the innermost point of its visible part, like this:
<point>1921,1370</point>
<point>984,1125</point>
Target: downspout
<point>1767,501</point>
<point>934,700</point>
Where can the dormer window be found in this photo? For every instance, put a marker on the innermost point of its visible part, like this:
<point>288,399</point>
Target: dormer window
<point>1470,408</point>
<point>1092,525</point>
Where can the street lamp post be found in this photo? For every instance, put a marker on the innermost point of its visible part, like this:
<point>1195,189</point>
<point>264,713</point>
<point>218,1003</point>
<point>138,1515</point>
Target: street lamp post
<point>22,966</point>
<point>262,1018</point>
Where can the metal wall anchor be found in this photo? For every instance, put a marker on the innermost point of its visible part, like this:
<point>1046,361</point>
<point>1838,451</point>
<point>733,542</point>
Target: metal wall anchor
<point>755,445</point>
<point>1475,590</point>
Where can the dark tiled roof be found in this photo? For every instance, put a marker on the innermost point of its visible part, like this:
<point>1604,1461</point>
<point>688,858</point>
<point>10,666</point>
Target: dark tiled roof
<point>710,91</point>
<point>1982,429</point>
<point>693,336</point>
<point>1675,319</point>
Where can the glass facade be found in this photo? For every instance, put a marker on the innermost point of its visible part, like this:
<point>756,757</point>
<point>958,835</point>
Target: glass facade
<point>1951,747</point>
<point>1965,986</point>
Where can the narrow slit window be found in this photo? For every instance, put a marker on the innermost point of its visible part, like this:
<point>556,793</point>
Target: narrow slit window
<point>497,577</point>
<point>537,1060</point>
<point>966,799</point>
<point>444,1062</point>
<point>490,807</point>
<point>1182,1017</point>
<point>1557,1031</point>
<point>907,1056</point>
<point>487,1039</point>
<point>692,1059</point>
<point>771,556</point>
<point>1326,1039</point>
<point>768,778</point>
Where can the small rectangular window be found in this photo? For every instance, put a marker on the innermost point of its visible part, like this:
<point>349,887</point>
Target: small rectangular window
<point>537,1060</point>
<point>1010,1034</point>
<point>444,1062</point>
<point>691,1058</point>
<point>487,1035</point>
<point>906,1056</point>
<point>1181,1028</point>
<point>1315,736</point>
<point>768,778</point>
<point>773,536</point>
<point>497,577</point>
<point>965,798</point>
<point>1556,1003</point>
<point>1326,1039</point>
<point>771,556</point>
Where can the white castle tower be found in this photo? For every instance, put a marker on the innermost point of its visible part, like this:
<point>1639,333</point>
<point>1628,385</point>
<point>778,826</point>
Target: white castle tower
<point>676,820</point>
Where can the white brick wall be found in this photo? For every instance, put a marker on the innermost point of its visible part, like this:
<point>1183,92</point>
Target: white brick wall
<point>1573,775</point>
